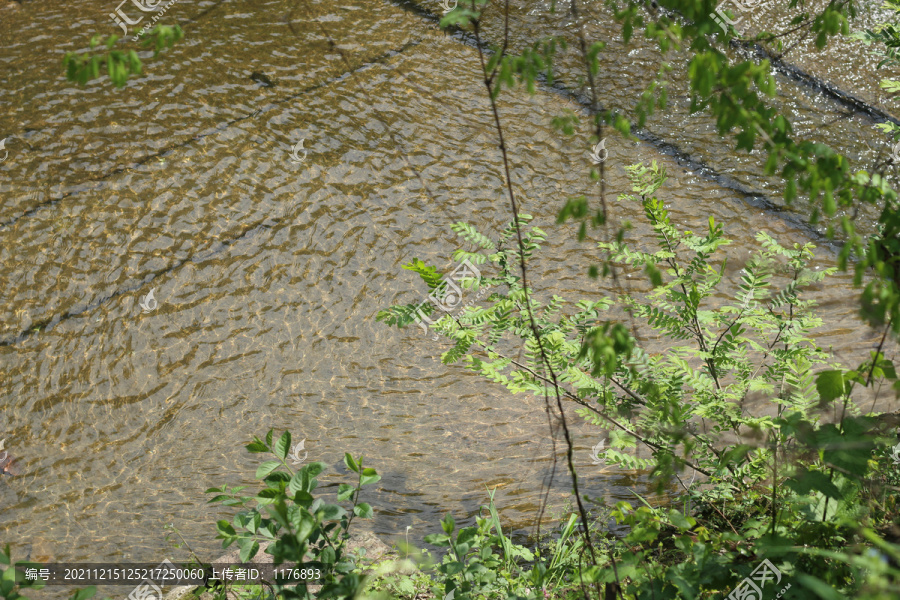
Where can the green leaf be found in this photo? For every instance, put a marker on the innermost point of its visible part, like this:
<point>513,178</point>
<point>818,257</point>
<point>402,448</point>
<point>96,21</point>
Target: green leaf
<point>330,512</point>
<point>85,593</point>
<point>306,523</point>
<point>437,539</point>
<point>283,445</point>
<point>363,511</point>
<point>805,481</point>
<point>654,275</point>
<point>681,521</point>
<point>313,469</point>
<point>818,587</point>
<point>369,476</point>
<point>467,534</point>
<point>351,464</point>
<point>267,467</point>
<point>345,491</point>
<point>428,274</point>
<point>448,524</point>
<point>304,499</point>
<point>257,446</point>
<point>225,528</point>
<point>249,547</point>
<point>296,484</point>
<point>830,385</point>
<point>279,513</point>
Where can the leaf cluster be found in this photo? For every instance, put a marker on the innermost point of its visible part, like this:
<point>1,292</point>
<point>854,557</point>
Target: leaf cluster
<point>303,530</point>
<point>120,65</point>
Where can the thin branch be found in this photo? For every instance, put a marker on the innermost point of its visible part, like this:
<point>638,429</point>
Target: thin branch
<point>534,328</point>
<point>593,409</point>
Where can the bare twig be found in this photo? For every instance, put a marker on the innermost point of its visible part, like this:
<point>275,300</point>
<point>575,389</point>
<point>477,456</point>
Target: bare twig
<point>534,328</point>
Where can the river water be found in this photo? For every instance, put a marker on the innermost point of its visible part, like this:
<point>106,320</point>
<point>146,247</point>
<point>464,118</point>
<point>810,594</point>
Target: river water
<point>267,273</point>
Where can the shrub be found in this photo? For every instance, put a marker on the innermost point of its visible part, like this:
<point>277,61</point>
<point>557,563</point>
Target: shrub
<point>801,493</point>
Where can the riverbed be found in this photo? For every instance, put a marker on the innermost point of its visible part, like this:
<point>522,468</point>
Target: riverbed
<point>268,261</point>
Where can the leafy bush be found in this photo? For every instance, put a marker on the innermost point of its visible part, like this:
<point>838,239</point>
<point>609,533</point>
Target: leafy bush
<point>483,562</point>
<point>306,531</point>
<point>801,493</point>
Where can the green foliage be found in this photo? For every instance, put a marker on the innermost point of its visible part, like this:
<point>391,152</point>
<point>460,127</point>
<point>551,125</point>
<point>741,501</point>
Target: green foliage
<point>814,498</point>
<point>483,562</point>
<point>887,36</point>
<point>464,14</point>
<point>786,479</point>
<point>306,531</point>
<point>736,93</point>
<point>120,65</point>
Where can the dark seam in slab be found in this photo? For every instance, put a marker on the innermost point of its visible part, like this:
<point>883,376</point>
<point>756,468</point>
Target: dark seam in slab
<point>683,159</point>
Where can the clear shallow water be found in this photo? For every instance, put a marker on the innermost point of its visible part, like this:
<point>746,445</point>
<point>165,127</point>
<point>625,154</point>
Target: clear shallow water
<point>268,274</point>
